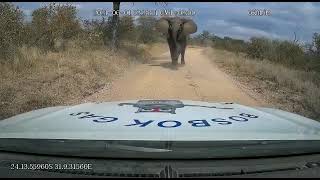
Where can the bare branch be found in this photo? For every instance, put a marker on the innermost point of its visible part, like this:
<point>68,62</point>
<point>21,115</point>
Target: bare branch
<point>295,37</point>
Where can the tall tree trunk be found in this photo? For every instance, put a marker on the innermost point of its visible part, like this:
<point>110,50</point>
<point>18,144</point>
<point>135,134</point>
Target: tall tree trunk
<point>115,24</point>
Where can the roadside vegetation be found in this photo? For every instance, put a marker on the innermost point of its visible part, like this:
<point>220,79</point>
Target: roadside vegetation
<point>56,58</point>
<point>286,73</point>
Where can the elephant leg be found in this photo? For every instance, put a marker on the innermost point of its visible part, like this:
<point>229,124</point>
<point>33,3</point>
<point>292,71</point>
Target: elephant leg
<point>174,60</point>
<point>182,55</point>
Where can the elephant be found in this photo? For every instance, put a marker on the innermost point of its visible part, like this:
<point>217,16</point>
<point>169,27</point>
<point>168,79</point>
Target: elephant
<point>176,30</point>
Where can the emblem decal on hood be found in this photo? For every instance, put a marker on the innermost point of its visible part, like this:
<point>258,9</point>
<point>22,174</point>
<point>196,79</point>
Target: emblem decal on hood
<point>164,106</point>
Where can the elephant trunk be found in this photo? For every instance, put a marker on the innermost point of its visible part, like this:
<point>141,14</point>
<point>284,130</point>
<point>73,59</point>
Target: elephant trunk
<point>176,45</point>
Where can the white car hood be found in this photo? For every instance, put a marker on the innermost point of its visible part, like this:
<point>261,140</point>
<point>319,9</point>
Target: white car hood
<point>190,121</point>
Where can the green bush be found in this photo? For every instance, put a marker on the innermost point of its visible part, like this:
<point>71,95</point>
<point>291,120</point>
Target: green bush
<point>230,44</point>
<point>289,53</point>
<point>208,39</point>
<point>258,47</point>
<point>96,31</point>
<point>283,52</point>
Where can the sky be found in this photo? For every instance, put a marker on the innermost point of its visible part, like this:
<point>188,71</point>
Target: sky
<point>222,18</point>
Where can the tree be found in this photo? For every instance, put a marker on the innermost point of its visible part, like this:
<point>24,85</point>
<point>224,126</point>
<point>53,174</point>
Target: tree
<point>115,24</point>
<point>95,32</point>
<point>11,31</point>
<point>65,24</point>
<point>204,35</point>
<point>145,29</point>
<point>316,43</point>
<point>205,38</point>
<point>126,28</point>
<point>64,21</point>
<point>40,26</point>
<point>53,25</point>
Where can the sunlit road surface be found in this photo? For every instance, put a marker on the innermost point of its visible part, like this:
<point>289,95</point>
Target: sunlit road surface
<point>199,79</point>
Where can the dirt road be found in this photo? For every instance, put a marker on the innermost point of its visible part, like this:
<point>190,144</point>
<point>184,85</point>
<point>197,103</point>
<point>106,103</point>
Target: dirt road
<point>199,79</point>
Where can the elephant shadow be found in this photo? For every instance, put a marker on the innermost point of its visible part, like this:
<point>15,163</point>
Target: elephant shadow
<point>158,58</point>
<point>167,65</point>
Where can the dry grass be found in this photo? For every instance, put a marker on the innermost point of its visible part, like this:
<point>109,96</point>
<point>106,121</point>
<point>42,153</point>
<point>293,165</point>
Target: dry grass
<point>36,80</point>
<point>288,89</point>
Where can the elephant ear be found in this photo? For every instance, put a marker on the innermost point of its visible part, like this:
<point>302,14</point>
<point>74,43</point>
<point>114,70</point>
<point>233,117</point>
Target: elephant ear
<point>189,27</point>
<point>163,25</point>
